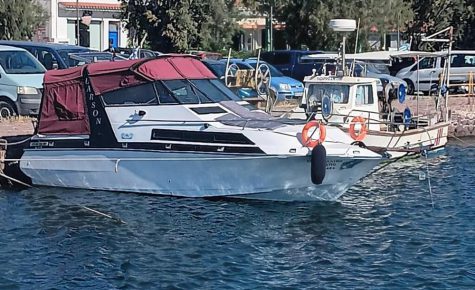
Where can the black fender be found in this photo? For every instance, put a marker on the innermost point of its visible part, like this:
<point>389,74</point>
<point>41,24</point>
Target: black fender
<point>319,164</point>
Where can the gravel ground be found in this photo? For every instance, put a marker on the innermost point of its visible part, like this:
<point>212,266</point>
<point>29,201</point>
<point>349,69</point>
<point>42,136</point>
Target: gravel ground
<point>16,126</point>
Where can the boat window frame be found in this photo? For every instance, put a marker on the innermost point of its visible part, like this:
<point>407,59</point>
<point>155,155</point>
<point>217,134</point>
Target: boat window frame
<point>177,101</point>
<point>330,92</point>
<point>131,105</point>
<point>368,97</point>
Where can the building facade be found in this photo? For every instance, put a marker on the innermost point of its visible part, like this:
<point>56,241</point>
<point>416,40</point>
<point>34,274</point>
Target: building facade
<point>105,28</point>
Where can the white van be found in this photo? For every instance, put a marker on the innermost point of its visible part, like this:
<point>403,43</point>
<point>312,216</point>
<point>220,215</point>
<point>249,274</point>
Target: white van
<point>461,64</point>
<point>21,82</point>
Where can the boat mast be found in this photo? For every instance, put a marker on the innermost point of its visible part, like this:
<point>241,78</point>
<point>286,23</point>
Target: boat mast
<point>449,40</point>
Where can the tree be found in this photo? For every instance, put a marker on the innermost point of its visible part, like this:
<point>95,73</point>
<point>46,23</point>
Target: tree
<point>306,22</point>
<point>180,25</point>
<point>19,19</point>
<point>431,16</point>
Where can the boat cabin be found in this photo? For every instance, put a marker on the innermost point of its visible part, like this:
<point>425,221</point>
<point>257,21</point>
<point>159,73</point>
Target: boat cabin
<point>338,99</point>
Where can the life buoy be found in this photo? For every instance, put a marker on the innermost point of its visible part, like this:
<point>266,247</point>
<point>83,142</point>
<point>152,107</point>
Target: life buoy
<point>307,139</point>
<point>358,136</point>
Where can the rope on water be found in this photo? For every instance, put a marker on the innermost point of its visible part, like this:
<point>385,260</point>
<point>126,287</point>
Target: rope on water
<point>428,177</point>
<point>13,179</point>
<point>117,219</point>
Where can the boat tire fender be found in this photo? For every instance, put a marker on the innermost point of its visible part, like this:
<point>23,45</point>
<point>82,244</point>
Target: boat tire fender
<point>307,138</point>
<point>319,164</point>
<point>358,136</point>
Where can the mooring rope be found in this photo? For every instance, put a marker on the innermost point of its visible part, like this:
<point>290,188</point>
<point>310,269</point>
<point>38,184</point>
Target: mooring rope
<point>428,177</point>
<point>117,219</point>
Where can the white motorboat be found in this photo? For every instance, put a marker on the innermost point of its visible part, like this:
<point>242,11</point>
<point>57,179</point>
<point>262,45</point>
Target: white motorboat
<point>168,126</point>
<point>352,104</point>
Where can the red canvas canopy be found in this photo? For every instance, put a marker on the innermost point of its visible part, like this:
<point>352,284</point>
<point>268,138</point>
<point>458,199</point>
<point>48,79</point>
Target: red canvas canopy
<point>109,76</point>
<point>63,108</point>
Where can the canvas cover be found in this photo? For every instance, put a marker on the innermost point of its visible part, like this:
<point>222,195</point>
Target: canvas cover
<point>109,76</point>
<point>63,108</point>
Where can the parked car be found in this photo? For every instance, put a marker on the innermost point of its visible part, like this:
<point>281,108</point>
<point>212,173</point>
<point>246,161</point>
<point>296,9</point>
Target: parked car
<point>51,55</point>
<point>371,70</point>
<point>430,68</point>
<point>21,82</point>
<point>127,52</point>
<point>291,63</point>
<point>219,69</point>
<point>283,87</point>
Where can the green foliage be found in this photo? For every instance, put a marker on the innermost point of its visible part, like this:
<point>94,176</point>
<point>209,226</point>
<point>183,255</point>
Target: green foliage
<point>307,21</point>
<point>431,16</point>
<point>210,25</point>
<point>181,25</point>
<point>19,19</point>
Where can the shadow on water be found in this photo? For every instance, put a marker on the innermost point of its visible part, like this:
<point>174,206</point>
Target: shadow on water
<point>383,233</point>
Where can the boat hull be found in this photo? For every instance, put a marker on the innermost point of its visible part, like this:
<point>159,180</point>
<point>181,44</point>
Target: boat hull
<point>182,174</point>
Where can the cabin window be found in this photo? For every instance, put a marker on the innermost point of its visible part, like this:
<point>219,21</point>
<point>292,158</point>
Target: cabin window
<point>164,96</point>
<point>339,94</point>
<point>364,95</point>
<point>137,95</point>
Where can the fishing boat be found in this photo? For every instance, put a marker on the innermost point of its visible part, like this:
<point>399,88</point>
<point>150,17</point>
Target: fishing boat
<point>352,104</point>
<point>168,126</point>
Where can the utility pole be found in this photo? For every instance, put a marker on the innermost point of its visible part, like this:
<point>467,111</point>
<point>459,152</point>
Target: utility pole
<point>77,22</point>
<point>271,30</point>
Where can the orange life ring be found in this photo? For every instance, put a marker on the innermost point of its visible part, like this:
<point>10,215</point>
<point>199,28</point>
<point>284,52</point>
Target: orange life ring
<point>363,130</point>
<point>307,139</point>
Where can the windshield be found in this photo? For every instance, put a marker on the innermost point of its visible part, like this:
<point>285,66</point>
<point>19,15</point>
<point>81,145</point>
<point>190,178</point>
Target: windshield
<point>20,62</point>
<point>64,53</point>
<point>199,91</point>
<point>218,69</point>
<point>339,94</point>
<point>274,72</point>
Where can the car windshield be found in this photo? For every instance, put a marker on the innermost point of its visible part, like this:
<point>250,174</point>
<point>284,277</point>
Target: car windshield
<point>20,62</point>
<point>218,69</point>
<point>339,94</point>
<point>273,70</point>
<point>64,53</point>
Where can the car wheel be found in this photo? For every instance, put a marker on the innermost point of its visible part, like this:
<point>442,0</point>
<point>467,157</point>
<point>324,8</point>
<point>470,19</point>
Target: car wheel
<point>6,110</point>
<point>410,87</point>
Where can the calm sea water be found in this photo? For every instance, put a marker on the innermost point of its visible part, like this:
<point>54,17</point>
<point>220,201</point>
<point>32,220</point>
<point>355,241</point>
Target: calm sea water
<point>383,234</point>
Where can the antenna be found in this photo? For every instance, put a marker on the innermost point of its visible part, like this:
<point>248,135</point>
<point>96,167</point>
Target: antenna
<point>343,25</point>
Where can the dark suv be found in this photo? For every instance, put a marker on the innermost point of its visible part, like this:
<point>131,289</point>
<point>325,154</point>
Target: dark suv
<point>291,63</point>
<point>51,55</point>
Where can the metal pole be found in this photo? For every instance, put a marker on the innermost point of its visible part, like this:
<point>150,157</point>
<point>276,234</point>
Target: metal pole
<point>77,22</point>
<point>343,55</point>
<point>398,33</point>
<point>271,36</point>
<point>449,59</point>
<point>417,94</point>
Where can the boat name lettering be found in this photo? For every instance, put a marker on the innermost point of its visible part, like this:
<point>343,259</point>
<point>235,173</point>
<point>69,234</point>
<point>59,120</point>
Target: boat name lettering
<point>42,144</point>
<point>331,165</point>
<point>95,111</point>
<point>326,78</point>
